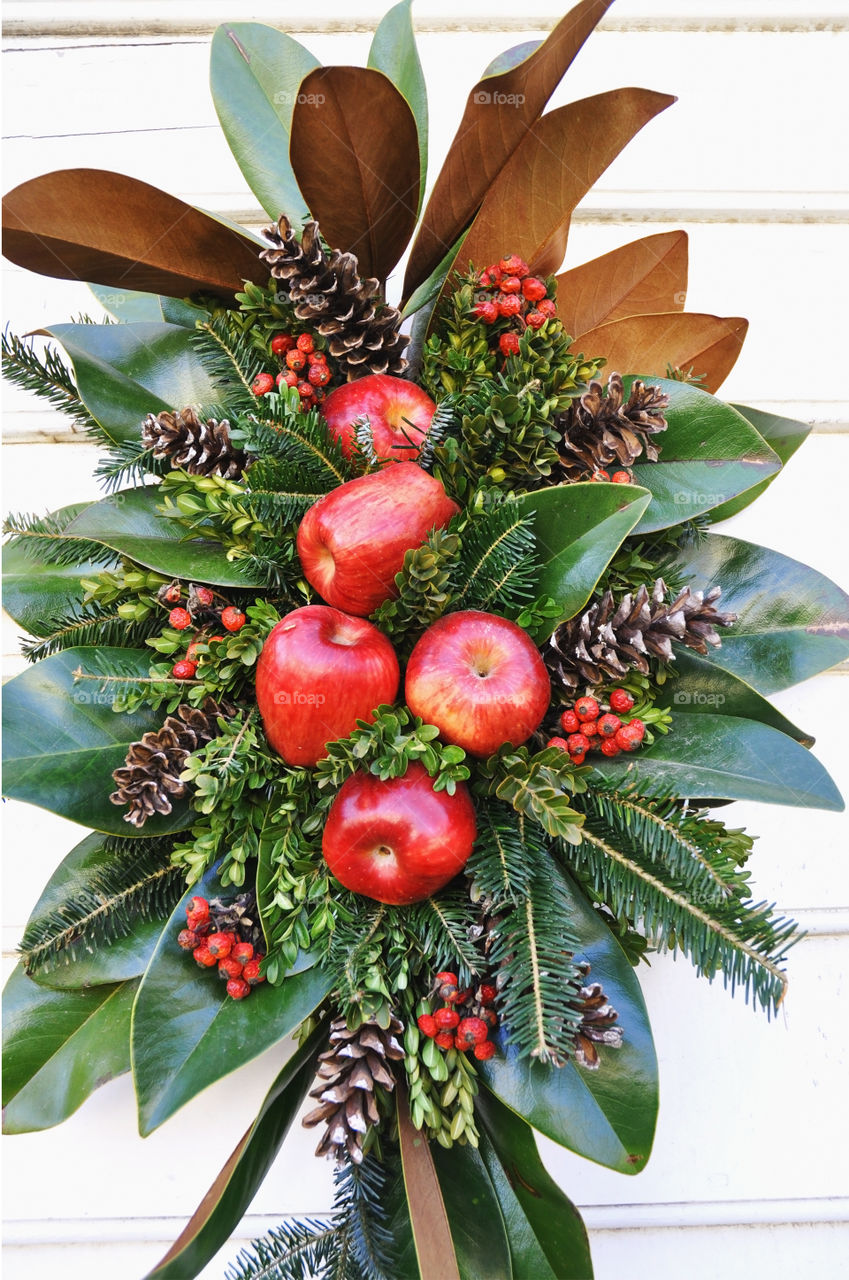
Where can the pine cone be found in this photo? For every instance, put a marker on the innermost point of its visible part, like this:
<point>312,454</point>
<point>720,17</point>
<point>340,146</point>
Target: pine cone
<point>328,294</point>
<point>599,430</point>
<point>610,639</point>
<point>202,448</point>
<point>149,780</point>
<point>356,1062</point>
<point>597,1026</point>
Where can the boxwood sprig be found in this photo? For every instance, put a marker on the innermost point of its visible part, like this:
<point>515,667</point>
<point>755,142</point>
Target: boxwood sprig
<point>387,747</point>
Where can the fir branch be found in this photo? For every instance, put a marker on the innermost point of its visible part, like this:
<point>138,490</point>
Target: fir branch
<point>138,883</point>
<point>293,1251</point>
<point>278,428</point>
<point>44,538</point>
<point>49,378</point>
<point>93,625</point>
<point>443,424</point>
<point>498,565</point>
<point>537,786</point>
<point>498,866</point>
<point>231,361</point>
<point>440,927</point>
<point>127,464</point>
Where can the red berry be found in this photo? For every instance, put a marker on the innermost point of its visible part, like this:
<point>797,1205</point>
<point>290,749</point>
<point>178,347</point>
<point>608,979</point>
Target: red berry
<point>608,725</point>
<point>262,384</point>
<point>494,272</point>
<point>427,1025</point>
<point>204,956</point>
<point>192,651</point>
<point>621,701</point>
<point>184,669</point>
<point>587,709</point>
<point>187,939</point>
<point>535,319</point>
<point>446,1019</point>
<point>508,304</point>
<point>509,344</point>
<point>445,1040</point>
<point>251,973</point>
<point>547,307</point>
<point>511,284</point>
<point>319,375</point>
<point>287,379</point>
<point>579,759</point>
<point>622,477</point>
<point>220,944</point>
<point>447,976</point>
<point>589,728</point>
<point>229,968</point>
<point>484,1050</point>
<point>577,744</point>
<point>470,1032</point>
<point>204,595</point>
<point>237,988</point>
<point>317,357</point>
<point>534,289</point>
<point>487,993</point>
<point>296,359</point>
<point>179,619</point>
<point>172,593</point>
<point>486,311</point>
<point>281,343</point>
<point>638,727</point>
<point>305,343</point>
<point>569,722</point>
<point>306,390</point>
<point>600,475</point>
<point>559,743</point>
<point>609,747</point>
<point>198,907</point>
<point>513,265</point>
<point>233,619</point>
<point>627,739</point>
<point>243,952</point>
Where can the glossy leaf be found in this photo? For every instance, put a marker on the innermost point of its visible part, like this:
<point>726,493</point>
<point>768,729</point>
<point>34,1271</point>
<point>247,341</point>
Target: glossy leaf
<point>426,1212</point>
<point>578,528</point>
<point>393,51</point>
<point>706,345</point>
<point>188,1033</point>
<point>644,276</point>
<point>114,961</point>
<point>608,1115</point>
<point>255,74</point>
<point>499,111</point>
<point>474,1214</point>
<point>130,522</point>
<point>708,453</point>
<point>352,123</point>
<point>58,1047</point>
<point>62,740</point>
<point>547,1238</point>
<point>125,371</point>
<point>35,592</point>
<point>710,756</point>
<point>131,307</point>
<point>58,225</point>
<point>704,688</point>
<point>783,435</point>
<point>793,622</point>
<point>221,1209</point>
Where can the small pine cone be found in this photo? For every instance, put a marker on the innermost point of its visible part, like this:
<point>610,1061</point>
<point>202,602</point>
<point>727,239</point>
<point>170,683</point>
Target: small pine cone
<point>351,1069</point>
<point>597,1025</point>
<point>149,780</point>
<point>202,448</point>
<point>609,639</point>
<point>327,293</point>
<point>599,431</point>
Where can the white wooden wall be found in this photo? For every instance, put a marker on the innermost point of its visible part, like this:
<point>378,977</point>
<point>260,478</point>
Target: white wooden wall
<point>749,1174</point>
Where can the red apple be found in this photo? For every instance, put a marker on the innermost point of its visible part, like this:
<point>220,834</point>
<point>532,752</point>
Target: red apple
<point>398,840</point>
<point>480,680</point>
<point>399,414</point>
<point>319,672</point>
<point>353,540</point>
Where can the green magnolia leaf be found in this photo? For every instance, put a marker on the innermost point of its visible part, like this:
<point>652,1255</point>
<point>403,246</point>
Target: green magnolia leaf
<point>709,453</point>
<point>114,959</point>
<point>255,73</point>
<point>725,758</point>
<point>35,592</point>
<point>231,1193</point>
<point>608,1115</point>
<point>793,622</point>
<point>783,435</point>
<point>132,307</point>
<point>547,1238</point>
<point>393,51</point>
<point>130,522</point>
<point>703,687</point>
<point>188,1033</point>
<point>62,740</point>
<point>125,371</point>
<point>474,1214</point>
<point>58,1047</point>
<point>578,528</point>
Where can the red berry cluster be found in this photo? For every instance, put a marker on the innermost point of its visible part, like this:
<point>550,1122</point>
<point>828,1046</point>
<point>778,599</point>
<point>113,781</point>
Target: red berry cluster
<point>591,728</point>
<point>302,364</point>
<point>468,1031</point>
<point>200,608</point>
<point>618,477</point>
<point>508,291</point>
<point>238,962</point>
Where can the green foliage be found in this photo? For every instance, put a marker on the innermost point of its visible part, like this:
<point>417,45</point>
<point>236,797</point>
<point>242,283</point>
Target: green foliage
<point>498,563</point>
<point>213,508</point>
<point>538,786</point>
<point>386,749</point>
<point>278,428</point>
<point>442,1087</point>
<point>47,377</point>
<point>231,360</point>
<point>642,559</point>
<point>424,590</point>
<point>458,357</point>
<point>442,936</point>
<point>499,867</point>
<point>44,538</point>
<point>370,959</point>
<point>90,625</point>
<point>262,313</point>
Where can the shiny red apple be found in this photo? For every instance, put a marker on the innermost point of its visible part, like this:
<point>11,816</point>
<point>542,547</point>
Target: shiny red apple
<point>398,840</point>
<point>480,680</point>
<point>353,540</point>
<point>399,414</point>
<point>319,672</point>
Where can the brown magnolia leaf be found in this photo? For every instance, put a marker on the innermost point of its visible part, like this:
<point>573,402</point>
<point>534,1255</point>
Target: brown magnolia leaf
<point>108,228</point>
<point>498,113</point>
<point>647,275</point>
<point>709,345</point>
<point>428,1217</point>
<point>355,153</point>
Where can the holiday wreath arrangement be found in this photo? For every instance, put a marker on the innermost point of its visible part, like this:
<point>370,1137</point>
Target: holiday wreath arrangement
<point>399,679</point>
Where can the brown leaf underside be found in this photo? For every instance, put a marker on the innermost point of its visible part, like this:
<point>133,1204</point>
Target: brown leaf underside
<point>709,345</point>
<point>354,150</point>
<point>431,1231</point>
<point>489,133</point>
<point>646,276</point>
<point>61,224</point>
